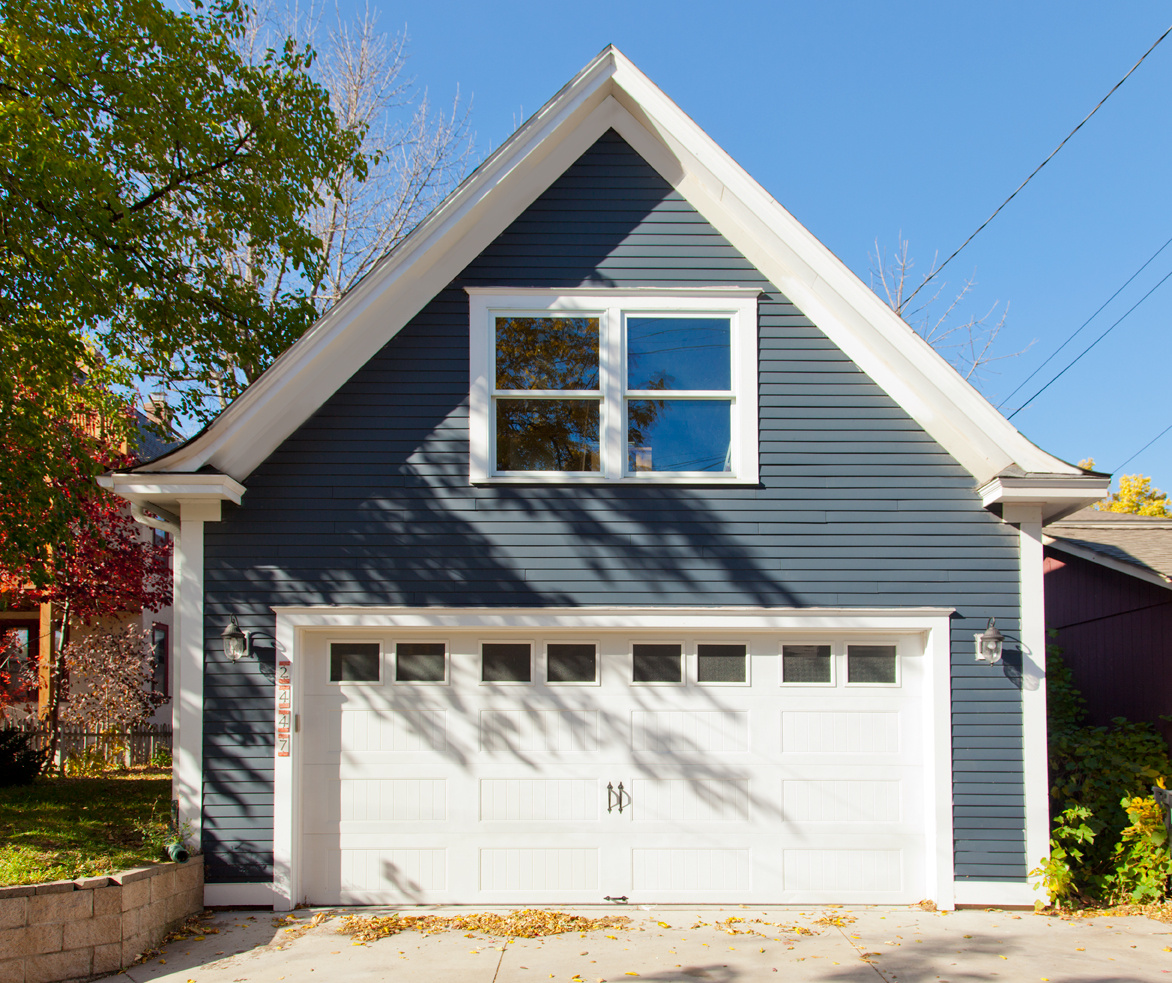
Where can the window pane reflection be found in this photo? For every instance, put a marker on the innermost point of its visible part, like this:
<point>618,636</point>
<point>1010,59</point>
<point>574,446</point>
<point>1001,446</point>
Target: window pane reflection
<point>547,435</point>
<point>547,353</point>
<point>678,353</point>
<point>679,435</point>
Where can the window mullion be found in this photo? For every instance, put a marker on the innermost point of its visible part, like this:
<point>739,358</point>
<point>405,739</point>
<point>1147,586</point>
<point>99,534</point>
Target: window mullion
<point>611,383</point>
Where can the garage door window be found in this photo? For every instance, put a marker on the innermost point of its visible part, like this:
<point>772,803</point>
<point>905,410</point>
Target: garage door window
<point>571,662</point>
<point>355,662</point>
<point>722,664</point>
<point>872,664</point>
<point>807,664</point>
<point>506,662</point>
<point>658,663</point>
<point>421,662</point>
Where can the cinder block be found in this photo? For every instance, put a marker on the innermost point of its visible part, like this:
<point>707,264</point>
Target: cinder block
<point>125,877</point>
<point>190,874</point>
<point>45,908</point>
<point>18,891</point>
<point>163,884</point>
<point>107,901</point>
<point>108,958</point>
<point>136,894</point>
<point>32,940</point>
<point>12,970</point>
<point>58,966</point>
<point>176,908</point>
<point>56,887</point>
<point>153,921</point>
<point>13,912</point>
<point>130,922</point>
<point>133,947</point>
<point>92,931</point>
<point>90,883</point>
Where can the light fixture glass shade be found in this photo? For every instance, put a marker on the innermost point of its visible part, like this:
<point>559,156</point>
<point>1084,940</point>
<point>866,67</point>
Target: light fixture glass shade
<point>235,641</point>
<point>990,643</point>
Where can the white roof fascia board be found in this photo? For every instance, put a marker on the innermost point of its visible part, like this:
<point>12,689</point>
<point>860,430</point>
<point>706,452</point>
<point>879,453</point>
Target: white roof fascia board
<point>171,493</point>
<point>1058,495</point>
<point>1131,569</point>
<point>611,92</point>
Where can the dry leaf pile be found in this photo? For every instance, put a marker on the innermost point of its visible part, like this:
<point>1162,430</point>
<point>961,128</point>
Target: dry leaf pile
<point>1157,912</point>
<point>531,923</point>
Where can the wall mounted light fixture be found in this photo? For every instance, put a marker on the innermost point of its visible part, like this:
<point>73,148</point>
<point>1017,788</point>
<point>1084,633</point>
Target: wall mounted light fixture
<point>237,643</point>
<point>990,643</point>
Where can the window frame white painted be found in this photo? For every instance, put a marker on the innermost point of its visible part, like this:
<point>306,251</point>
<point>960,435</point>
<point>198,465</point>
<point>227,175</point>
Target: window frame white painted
<point>834,646</point>
<point>895,643</point>
<point>658,640</point>
<point>611,307</point>
<point>382,656</point>
<point>513,640</point>
<point>543,661</point>
<point>394,667</point>
<point>693,659</point>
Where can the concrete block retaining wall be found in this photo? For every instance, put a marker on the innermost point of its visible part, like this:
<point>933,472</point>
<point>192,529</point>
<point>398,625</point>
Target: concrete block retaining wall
<point>65,930</point>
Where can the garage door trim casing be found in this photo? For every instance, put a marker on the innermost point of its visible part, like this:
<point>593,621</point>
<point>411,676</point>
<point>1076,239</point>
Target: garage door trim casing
<point>931,624</point>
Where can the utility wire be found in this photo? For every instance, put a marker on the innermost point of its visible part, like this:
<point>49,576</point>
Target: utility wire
<point>1076,358</point>
<point>1144,448</point>
<point>1039,167</point>
<point>1077,330</point>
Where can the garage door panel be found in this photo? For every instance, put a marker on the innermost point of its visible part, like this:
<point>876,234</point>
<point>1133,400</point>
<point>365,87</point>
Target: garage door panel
<point>682,732</point>
<point>761,792</point>
<point>539,731</point>
<point>539,799</point>
<point>690,800</point>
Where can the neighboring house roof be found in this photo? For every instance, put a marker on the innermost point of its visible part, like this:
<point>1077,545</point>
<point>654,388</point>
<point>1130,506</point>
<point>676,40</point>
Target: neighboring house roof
<point>611,93</point>
<point>1138,545</point>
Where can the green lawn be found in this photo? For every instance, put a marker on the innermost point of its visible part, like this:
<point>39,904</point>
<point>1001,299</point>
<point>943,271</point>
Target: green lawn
<point>59,828</point>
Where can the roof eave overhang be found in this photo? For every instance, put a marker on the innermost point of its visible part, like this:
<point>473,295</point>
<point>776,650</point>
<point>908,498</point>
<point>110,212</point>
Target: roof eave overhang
<point>1110,562</point>
<point>170,494</point>
<point>1057,495</point>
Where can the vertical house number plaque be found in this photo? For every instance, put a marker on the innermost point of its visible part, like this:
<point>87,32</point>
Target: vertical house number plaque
<point>284,709</point>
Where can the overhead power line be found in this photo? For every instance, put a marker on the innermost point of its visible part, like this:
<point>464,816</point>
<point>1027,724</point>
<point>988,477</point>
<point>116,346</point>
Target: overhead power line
<point>1142,449</point>
<point>1076,358</point>
<point>1078,330</point>
<point>936,271</point>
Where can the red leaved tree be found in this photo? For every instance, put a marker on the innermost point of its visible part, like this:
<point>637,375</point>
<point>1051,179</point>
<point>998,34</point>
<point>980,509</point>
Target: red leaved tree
<point>99,565</point>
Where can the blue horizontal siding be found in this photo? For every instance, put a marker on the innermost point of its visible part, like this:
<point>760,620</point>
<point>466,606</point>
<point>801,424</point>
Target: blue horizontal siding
<point>369,503</point>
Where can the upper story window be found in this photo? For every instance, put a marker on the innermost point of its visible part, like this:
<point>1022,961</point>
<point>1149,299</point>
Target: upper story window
<point>624,385</point>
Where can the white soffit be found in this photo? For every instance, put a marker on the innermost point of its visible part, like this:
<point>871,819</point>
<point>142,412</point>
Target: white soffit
<point>611,93</point>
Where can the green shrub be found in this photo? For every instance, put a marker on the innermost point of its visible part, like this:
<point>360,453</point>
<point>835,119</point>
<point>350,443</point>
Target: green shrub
<point>1107,838</point>
<point>20,761</point>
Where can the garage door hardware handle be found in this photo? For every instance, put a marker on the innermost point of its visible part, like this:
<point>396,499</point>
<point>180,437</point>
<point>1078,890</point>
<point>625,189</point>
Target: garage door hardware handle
<point>621,900</point>
<point>614,797</point>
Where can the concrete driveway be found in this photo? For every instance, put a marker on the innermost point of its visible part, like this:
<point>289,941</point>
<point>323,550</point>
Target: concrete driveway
<point>685,945</point>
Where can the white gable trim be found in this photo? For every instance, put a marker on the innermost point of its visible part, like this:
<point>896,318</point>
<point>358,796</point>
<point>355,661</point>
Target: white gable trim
<point>611,93</point>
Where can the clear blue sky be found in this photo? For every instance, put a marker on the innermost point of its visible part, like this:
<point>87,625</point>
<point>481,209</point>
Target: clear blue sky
<point>865,120</point>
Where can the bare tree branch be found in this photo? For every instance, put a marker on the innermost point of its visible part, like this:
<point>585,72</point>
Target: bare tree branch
<point>968,345</point>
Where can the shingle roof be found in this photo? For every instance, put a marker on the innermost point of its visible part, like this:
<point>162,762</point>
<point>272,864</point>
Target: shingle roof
<point>1142,541</point>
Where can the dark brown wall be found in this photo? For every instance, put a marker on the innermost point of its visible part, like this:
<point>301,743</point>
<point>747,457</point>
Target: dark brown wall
<point>1116,635</point>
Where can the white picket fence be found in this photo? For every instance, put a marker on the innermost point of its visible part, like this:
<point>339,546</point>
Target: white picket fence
<point>134,746</point>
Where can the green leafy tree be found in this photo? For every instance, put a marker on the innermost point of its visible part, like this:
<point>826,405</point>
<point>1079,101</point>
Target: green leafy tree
<point>138,149</point>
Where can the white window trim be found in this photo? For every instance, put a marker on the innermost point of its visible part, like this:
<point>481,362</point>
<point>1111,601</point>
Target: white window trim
<point>394,655</point>
<point>382,656</point>
<point>739,303</point>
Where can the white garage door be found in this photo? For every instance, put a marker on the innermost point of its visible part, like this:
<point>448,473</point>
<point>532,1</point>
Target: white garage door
<point>464,768</point>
